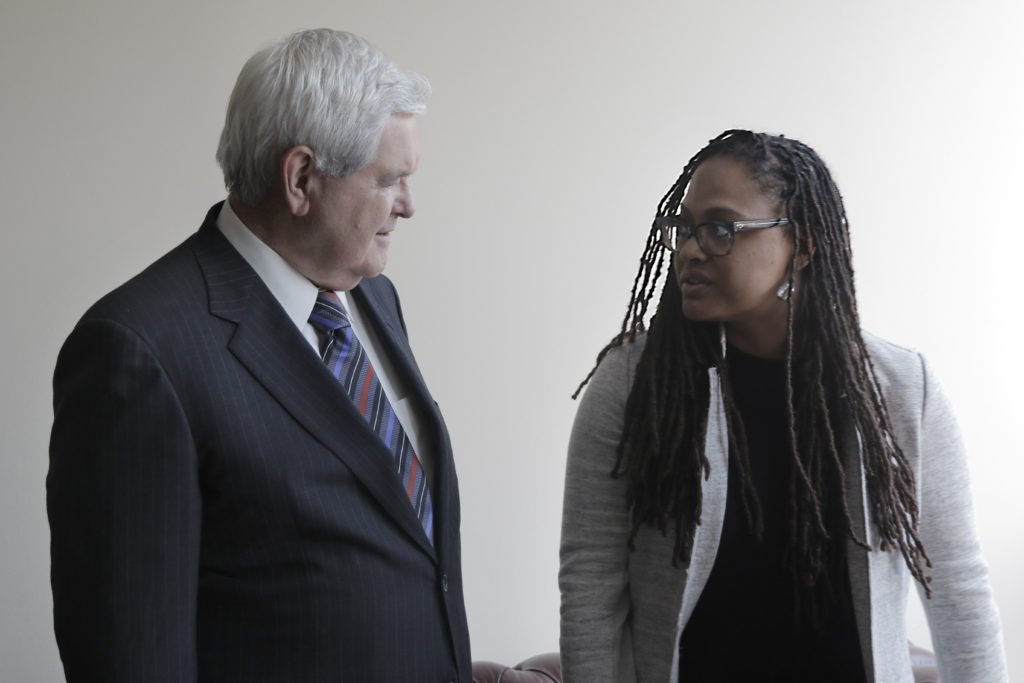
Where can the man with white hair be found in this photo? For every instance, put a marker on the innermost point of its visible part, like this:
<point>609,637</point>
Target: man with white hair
<point>249,480</point>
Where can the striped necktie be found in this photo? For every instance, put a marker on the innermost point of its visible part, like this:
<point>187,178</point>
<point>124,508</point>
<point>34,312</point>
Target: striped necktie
<point>345,357</point>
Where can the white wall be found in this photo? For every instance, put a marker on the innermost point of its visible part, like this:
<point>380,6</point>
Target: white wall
<point>554,129</point>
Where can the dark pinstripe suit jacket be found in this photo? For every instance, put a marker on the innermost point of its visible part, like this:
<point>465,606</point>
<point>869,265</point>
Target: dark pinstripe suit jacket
<point>219,509</point>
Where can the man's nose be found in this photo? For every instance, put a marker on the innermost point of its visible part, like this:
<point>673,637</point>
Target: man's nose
<point>406,206</point>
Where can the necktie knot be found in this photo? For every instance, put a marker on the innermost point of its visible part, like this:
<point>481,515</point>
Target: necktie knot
<point>329,313</point>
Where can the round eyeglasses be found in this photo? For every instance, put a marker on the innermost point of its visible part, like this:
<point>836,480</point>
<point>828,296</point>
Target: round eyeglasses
<point>715,238</point>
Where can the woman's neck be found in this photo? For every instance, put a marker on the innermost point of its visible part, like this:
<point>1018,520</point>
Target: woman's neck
<point>763,340</point>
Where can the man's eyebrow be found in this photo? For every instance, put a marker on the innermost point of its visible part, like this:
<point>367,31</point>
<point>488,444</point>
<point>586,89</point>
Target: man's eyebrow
<point>392,176</point>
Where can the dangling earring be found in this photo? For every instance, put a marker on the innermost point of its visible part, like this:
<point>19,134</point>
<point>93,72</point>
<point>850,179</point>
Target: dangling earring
<point>785,292</point>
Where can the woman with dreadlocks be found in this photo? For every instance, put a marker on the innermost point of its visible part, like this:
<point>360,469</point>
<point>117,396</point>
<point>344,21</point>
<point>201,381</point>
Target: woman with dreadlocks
<point>753,482</point>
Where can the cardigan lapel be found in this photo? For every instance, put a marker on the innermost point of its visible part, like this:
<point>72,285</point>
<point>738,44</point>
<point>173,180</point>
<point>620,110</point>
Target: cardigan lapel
<point>273,350</point>
<point>857,559</point>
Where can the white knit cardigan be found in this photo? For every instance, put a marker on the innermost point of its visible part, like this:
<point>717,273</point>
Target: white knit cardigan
<point>623,612</point>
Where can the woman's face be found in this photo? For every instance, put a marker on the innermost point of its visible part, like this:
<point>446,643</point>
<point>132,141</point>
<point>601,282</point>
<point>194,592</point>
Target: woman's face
<point>738,289</point>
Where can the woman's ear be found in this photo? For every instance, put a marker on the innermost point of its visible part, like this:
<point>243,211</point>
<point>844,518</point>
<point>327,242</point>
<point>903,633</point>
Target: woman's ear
<point>297,170</point>
<point>806,252</point>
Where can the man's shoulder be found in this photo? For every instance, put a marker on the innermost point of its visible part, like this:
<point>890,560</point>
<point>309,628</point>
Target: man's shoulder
<point>169,286</point>
<point>163,283</point>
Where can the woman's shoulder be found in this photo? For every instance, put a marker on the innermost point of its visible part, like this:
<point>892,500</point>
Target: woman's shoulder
<point>893,361</point>
<point>620,360</point>
<point>904,375</point>
<point>886,349</point>
<point>612,378</point>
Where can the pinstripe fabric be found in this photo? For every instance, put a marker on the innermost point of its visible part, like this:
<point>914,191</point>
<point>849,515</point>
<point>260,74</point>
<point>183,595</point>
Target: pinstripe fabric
<point>344,355</point>
<point>220,511</point>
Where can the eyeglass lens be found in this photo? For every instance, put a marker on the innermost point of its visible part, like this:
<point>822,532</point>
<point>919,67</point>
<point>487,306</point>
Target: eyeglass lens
<point>714,238</point>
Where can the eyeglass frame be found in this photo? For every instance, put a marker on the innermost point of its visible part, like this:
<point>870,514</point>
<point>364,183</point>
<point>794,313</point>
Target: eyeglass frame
<point>666,223</point>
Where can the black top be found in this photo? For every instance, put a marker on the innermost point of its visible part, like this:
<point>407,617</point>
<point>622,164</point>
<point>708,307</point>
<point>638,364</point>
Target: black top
<point>745,622</point>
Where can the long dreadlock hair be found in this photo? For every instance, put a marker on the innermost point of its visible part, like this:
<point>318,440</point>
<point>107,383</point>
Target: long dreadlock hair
<point>661,451</point>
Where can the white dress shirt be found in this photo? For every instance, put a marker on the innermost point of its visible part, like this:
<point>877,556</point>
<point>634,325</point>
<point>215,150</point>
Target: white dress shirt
<point>297,295</point>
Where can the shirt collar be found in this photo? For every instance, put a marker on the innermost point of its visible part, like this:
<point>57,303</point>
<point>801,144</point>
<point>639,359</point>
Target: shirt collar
<point>292,290</point>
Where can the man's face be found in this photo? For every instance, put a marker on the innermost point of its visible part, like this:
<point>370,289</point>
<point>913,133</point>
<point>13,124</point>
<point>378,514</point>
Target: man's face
<point>350,221</point>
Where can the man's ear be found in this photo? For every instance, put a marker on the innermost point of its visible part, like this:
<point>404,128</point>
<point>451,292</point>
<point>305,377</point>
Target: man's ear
<point>298,168</point>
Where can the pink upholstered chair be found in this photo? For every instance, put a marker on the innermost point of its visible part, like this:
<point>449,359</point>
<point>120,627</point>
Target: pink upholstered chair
<point>547,668</point>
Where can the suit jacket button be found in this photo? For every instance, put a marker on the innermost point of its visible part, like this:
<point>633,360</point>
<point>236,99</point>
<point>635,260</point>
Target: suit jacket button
<point>444,582</point>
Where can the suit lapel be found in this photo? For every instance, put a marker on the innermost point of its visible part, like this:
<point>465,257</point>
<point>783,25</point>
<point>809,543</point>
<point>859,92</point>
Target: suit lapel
<point>371,304</point>
<point>270,347</point>
<point>373,301</point>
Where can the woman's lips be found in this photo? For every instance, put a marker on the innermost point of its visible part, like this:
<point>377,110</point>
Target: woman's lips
<point>694,284</point>
<point>694,278</point>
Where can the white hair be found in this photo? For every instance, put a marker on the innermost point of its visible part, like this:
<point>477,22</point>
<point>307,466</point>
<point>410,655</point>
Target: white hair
<point>330,90</point>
